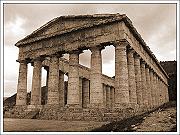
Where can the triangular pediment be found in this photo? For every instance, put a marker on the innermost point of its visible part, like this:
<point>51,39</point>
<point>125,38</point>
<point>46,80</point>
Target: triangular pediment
<point>65,24</point>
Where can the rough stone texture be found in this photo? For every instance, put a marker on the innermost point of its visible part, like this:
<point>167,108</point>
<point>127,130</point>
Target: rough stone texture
<point>73,80</point>
<point>121,75</point>
<point>22,84</point>
<point>158,92</point>
<point>148,84</point>
<point>61,89</point>
<point>104,95</point>
<point>85,93</point>
<point>152,87</point>
<point>138,79</point>
<point>131,77</point>
<point>53,82</point>
<point>166,93</point>
<point>112,96</point>
<point>96,91</point>
<point>80,92</point>
<point>144,85</point>
<point>108,98</point>
<point>36,83</point>
<point>155,89</point>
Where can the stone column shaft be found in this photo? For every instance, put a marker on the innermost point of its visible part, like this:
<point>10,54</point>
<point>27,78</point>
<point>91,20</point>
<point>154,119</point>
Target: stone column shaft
<point>158,91</point>
<point>121,75</point>
<point>80,92</point>
<point>61,89</point>
<point>96,89</point>
<point>104,95</point>
<point>162,92</point>
<point>148,83</point>
<point>154,90</point>
<point>22,84</point>
<point>108,98</point>
<point>53,81</point>
<point>73,80</point>
<point>131,75</point>
<point>36,83</point>
<point>143,83</point>
<point>85,93</point>
<point>152,87</point>
<point>112,96</point>
<point>138,79</point>
<point>166,92</point>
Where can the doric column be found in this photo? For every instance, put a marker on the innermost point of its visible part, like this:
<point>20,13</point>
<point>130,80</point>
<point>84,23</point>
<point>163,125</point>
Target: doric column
<point>22,84</point>
<point>148,84</point>
<point>73,80</point>
<point>121,75</point>
<point>166,92</point>
<point>138,79</point>
<point>143,83</point>
<point>152,87</point>
<point>158,91</point>
<point>47,75</point>
<point>85,94</point>
<point>96,90</point>
<point>36,83</point>
<point>47,78</point>
<point>155,89</point>
<point>104,95</point>
<point>112,96</point>
<point>61,89</point>
<point>108,100</point>
<point>161,92</point>
<point>80,91</point>
<point>53,81</point>
<point>131,75</point>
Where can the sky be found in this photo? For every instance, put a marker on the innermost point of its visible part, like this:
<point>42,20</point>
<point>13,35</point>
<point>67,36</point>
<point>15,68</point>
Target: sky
<point>156,23</point>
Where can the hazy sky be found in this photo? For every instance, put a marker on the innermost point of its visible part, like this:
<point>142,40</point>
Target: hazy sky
<point>155,22</point>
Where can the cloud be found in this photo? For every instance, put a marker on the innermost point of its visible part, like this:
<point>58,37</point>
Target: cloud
<point>156,23</point>
<point>14,30</point>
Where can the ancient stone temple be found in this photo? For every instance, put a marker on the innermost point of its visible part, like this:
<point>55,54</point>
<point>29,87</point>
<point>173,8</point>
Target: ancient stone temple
<point>140,81</point>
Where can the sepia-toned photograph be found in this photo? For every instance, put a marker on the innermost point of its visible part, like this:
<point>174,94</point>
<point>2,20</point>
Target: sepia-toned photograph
<point>89,67</point>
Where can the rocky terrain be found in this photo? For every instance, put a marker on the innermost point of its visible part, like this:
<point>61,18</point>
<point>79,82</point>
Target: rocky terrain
<point>162,119</point>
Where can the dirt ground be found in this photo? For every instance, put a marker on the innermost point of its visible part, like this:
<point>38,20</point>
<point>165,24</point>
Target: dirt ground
<point>33,125</point>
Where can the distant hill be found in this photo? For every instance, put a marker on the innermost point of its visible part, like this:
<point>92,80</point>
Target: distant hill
<point>9,102</point>
<point>4,98</point>
<point>171,69</point>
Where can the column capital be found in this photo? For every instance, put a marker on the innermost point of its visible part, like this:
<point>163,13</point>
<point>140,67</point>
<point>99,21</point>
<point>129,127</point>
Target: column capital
<point>75,52</point>
<point>147,66</point>
<point>37,59</point>
<point>121,43</point>
<point>58,55</point>
<point>23,61</point>
<point>131,50</point>
<point>96,48</point>
<point>143,62</point>
<point>136,55</point>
